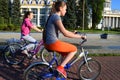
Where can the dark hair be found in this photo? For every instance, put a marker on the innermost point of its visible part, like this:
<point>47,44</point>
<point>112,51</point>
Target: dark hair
<point>56,6</point>
<point>26,14</point>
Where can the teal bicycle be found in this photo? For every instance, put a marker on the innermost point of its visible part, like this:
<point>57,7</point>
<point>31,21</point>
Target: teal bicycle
<point>88,69</point>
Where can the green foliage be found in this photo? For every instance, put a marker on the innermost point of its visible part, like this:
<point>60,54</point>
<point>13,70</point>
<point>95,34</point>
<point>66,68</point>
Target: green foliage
<point>104,54</point>
<point>1,20</point>
<point>16,12</point>
<point>3,26</point>
<point>9,20</point>
<point>69,19</point>
<point>4,10</point>
<point>11,27</point>
<point>79,14</point>
<point>96,7</point>
<point>98,31</point>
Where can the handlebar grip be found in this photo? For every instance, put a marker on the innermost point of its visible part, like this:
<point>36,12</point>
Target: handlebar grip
<point>82,34</point>
<point>84,40</point>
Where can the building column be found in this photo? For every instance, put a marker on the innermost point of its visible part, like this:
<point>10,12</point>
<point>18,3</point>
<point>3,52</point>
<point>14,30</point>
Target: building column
<point>109,22</point>
<point>116,22</point>
<point>21,1</point>
<point>113,21</point>
<point>38,16</point>
<point>21,10</point>
<point>119,22</point>
<point>105,21</point>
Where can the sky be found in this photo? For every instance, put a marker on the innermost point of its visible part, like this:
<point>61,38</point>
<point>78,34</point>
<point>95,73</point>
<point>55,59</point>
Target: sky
<point>115,4</point>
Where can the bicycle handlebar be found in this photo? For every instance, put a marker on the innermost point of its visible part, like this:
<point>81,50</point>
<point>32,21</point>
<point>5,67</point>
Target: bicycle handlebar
<point>83,40</point>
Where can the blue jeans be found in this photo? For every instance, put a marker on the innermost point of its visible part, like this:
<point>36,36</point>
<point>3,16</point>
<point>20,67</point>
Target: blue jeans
<point>32,41</point>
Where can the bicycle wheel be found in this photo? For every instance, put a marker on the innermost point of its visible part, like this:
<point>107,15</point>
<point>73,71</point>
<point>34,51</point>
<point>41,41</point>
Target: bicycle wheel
<point>47,56</point>
<point>12,54</point>
<point>39,71</point>
<point>90,72</point>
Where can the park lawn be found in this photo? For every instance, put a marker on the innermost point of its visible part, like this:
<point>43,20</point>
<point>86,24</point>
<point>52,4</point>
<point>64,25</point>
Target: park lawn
<point>99,31</point>
<point>104,54</point>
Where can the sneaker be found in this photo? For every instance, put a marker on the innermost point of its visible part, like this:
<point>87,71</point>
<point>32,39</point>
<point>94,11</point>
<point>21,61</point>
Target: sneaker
<point>61,70</point>
<point>26,53</point>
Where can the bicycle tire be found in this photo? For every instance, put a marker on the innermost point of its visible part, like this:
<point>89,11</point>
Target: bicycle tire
<point>38,71</point>
<point>86,74</point>
<point>47,56</point>
<point>12,54</point>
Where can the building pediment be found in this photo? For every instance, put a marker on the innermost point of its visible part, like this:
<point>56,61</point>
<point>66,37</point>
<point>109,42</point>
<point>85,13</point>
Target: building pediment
<point>36,2</point>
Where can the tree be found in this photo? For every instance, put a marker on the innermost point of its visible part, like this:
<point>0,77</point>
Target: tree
<point>69,19</point>
<point>79,14</point>
<point>16,12</point>
<point>96,7</point>
<point>4,10</point>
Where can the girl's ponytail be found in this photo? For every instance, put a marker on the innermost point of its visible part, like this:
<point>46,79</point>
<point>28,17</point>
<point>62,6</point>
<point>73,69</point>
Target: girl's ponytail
<point>53,9</point>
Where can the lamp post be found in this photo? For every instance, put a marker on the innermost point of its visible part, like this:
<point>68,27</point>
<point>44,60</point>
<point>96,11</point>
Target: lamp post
<point>83,14</point>
<point>10,10</point>
<point>11,3</point>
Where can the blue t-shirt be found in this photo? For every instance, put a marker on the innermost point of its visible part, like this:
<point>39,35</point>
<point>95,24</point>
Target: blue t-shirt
<point>51,30</point>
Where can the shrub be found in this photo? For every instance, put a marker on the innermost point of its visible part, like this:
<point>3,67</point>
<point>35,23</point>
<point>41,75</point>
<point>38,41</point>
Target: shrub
<point>3,26</point>
<point>1,20</point>
<point>11,27</point>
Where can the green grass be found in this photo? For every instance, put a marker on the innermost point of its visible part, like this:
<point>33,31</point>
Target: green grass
<point>104,54</point>
<point>99,31</point>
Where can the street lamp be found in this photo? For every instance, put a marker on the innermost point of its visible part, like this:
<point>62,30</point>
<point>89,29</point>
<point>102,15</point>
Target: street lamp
<point>10,10</point>
<point>83,14</point>
<point>11,1</point>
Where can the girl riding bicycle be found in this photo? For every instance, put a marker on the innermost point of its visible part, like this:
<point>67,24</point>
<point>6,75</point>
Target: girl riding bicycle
<point>51,33</point>
<point>25,32</point>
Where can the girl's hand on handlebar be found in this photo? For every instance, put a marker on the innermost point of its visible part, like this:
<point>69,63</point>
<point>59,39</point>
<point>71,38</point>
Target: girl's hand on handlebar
<point>83,37</point>
<point>41,30</point>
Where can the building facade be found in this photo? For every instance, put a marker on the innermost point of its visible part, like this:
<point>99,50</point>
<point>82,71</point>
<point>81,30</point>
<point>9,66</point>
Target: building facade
<point>41,9</point>
<point>111,18</point>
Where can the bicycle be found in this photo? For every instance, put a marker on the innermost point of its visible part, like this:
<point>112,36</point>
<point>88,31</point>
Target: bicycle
<point>89,69</point>
<point>12,52</point>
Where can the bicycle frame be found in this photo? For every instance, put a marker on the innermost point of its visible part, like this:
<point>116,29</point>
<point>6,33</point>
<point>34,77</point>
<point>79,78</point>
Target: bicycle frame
<point>49,72</point>
<point>67,66</point>
<point>35,51</point>
<point>37,47</point>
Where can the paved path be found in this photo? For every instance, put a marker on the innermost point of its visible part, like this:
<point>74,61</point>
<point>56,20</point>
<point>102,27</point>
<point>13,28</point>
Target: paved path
<point>94,44</point>
<point>110,65</point>
<point>110,69</point>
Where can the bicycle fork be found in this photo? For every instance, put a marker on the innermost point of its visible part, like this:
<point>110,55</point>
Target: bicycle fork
<point>86,61</point>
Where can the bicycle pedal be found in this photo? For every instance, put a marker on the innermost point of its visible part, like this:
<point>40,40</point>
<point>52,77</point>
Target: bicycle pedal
<point>29,56</point>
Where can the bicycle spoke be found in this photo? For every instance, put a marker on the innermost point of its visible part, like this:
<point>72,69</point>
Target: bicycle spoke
<point>39,72</point>
<point>90,70</point>
<point>12,54</point>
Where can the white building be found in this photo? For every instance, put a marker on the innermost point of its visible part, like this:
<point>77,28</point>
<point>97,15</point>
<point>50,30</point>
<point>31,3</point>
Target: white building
<point>41,8</point>
<point>111,18</point>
